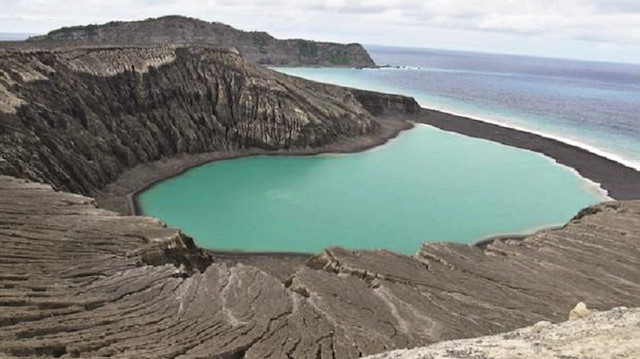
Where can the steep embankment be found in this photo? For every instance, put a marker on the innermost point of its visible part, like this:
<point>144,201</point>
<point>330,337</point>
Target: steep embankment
<point>78,118</point>
<point>81,281</point>
<point>256,46</point>
<point>78,280</point>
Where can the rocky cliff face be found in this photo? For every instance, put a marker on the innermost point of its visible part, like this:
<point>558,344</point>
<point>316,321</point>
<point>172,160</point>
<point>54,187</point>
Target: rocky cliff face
<point>76,280</point>
<point>77,118</point>
<point>256,46</point>
<point>380,104</point>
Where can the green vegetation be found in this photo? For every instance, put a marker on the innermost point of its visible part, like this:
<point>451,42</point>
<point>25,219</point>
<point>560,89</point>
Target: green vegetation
<point>307,49</point>
<point>339,58</point>
<point>89,29</point>
<point>260,40</point>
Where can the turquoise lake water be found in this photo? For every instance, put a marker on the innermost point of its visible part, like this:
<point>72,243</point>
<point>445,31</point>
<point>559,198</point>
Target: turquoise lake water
<point>425,185</point>
<point>593,105</point>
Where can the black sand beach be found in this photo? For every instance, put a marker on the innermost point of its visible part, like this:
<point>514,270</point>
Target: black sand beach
<point>621,182</point>
<point>120,196</point>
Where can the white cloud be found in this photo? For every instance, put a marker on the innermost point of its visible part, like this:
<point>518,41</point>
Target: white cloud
<point>577,23</point>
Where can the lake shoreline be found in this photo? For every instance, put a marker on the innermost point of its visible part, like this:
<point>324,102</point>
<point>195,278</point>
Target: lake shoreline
<point>619,181</point>
<point>122,195</point>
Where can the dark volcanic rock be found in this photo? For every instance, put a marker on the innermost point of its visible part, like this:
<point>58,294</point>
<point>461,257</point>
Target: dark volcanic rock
<point>76,280</point>
<point>379,104</point>
<point>257,46</point>
<point>621,182</point>
<point>77,118</point>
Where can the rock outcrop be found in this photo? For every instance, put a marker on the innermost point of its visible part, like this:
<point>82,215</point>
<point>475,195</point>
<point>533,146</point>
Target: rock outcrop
<point>76,280</point>
<point>611,334</point>
<point>256,46</point>
<point>379,104</point>
<point>77,118</point>
<point>579,311</point>
<point>80,281</point>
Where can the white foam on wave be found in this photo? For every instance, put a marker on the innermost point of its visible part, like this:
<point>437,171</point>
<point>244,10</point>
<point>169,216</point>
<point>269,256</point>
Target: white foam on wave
<point>570,141</point>
<point>580,143</point>
<point>452,71</point>
<point>588,185</point>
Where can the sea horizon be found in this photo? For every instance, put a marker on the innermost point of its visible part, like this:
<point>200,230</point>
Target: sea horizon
<point>486,119</point>
<point>167,191</point>
<point>369,46</point>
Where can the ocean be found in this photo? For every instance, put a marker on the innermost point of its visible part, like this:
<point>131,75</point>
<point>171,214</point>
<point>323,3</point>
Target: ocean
<point>427,184</point>
<point>593,105</point>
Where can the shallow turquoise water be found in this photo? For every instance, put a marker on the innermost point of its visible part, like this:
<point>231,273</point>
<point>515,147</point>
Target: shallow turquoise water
<point>587,104</point>
<point>426,185</point>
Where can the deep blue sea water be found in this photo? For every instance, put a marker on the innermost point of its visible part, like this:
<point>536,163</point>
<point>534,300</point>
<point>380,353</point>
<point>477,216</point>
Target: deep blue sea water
<point>591,104</point>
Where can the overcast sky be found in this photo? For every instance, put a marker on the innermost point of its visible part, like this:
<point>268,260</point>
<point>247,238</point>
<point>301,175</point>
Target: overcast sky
<point>585,29</point>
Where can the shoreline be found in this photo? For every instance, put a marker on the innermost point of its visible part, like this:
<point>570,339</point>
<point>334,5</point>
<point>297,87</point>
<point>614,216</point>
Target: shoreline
<point>617,180</point>
<point>565,140</point>
<point>588,185</point>
<point>122,195</point>
<point>620,181</point>
<point>615,157</point>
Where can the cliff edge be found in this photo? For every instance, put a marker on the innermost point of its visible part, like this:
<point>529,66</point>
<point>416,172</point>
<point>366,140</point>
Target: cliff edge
<point>77,280</point>
<point>257,46</point>
<point>77,118</point>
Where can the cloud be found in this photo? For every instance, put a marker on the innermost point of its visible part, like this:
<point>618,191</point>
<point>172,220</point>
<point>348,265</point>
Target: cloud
<point>613,20</point>
<point>597,21</point>
<point>618,6</point>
